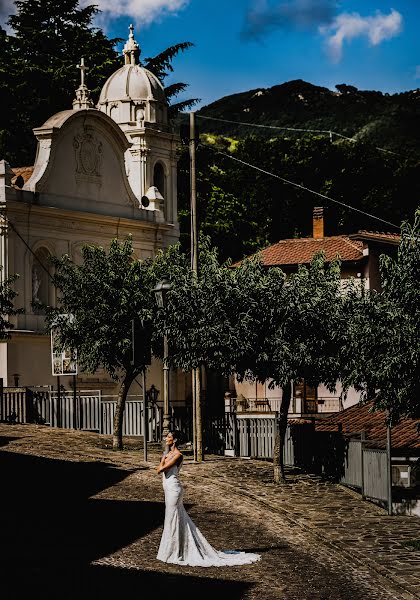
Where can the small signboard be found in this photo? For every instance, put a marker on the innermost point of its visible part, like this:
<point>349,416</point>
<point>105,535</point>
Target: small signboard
<point>63,360</point>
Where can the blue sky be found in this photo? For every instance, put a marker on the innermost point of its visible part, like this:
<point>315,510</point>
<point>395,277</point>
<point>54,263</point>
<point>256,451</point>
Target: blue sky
<point>247,44</point>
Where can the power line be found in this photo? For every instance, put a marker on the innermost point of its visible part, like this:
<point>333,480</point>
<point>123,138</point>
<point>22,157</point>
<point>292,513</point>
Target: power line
<point>328,131</point>
<point>302,187</point>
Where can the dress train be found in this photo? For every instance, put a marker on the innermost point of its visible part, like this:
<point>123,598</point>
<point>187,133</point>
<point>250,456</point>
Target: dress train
<point>182,542</point>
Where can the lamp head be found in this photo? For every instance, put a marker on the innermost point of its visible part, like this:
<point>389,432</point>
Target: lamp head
<point>161,289</point>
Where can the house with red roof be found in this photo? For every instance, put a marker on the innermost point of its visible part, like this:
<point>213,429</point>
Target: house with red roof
<point>359,253</point>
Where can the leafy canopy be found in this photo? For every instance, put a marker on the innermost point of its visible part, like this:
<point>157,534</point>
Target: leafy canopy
<point>297,326</point>
<point>103,295</point>
<point>383,356</point>
<point>39,68</point>
<point>7,305</point>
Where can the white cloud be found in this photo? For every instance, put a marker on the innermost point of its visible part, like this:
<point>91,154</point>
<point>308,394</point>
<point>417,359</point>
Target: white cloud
<point>145,11</point>
<point>346,27</point>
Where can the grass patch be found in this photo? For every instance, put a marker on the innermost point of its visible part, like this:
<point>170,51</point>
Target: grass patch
<point>415,544</point>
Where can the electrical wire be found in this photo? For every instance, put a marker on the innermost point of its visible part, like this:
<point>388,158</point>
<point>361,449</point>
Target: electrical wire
<point>328,131</point>
<point>302,187</point>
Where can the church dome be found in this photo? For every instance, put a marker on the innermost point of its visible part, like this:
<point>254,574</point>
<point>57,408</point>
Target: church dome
<point>133,96</point>
<point>132,82</point>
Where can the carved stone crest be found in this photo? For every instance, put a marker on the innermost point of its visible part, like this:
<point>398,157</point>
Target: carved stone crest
<point>88,153</point>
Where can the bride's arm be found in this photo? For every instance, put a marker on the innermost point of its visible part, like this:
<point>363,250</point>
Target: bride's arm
<point>164,466</point>
<point>162,462</point>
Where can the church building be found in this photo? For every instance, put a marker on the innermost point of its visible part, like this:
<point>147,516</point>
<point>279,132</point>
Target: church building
<point>100,173</point>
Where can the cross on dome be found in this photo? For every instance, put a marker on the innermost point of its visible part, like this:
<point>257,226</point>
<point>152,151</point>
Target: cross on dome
<point>82,100</point>
<point>131,48</point>
<point>82,68</point>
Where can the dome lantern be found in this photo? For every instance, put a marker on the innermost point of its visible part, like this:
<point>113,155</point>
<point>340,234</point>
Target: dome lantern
<point>131,49</point>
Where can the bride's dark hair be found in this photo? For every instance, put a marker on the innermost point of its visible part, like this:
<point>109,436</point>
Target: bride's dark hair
<point>177,435</point>
<point>178,439</point>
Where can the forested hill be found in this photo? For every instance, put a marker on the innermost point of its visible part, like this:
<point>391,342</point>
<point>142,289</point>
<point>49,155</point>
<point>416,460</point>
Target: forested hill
<point>392,121</point>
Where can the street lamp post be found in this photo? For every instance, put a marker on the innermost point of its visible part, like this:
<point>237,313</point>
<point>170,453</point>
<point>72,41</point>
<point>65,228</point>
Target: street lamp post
<point>161,289</point>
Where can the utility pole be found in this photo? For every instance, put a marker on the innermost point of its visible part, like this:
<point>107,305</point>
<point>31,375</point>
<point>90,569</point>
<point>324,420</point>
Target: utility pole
<point>145,417</point>
<point>196,386</point>
<point>389,466</point>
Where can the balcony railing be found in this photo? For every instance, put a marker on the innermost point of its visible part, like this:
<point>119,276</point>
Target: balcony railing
<point>298,406</point>
<point>257,404</point>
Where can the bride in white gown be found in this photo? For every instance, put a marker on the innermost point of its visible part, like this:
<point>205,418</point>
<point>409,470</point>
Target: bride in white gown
<point>182,542</point>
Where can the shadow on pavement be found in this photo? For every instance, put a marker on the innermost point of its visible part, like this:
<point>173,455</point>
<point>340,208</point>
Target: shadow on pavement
<point>107,583</point>
<point>51,529</point>
<point>5,439</point>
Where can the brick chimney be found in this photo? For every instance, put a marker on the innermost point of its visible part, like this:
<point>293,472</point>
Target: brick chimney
<point>318,222</point>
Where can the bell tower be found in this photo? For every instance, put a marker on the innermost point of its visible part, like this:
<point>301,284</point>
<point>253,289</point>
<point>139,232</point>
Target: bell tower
<point>135,99</point>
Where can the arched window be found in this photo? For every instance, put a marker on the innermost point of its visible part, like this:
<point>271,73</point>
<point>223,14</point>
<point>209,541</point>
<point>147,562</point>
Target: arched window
<point>159,178</point>
<point>40,279</point>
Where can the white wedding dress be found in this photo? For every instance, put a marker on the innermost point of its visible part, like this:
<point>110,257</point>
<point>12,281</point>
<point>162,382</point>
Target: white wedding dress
<point>182,542</point>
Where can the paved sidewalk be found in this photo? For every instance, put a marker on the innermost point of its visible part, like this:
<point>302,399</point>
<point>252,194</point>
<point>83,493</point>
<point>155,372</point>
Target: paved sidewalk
<point>81,521</point>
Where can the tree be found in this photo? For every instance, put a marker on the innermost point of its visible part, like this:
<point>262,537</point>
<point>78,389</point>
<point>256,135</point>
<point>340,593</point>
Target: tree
<point>7,307</point>
<point>161,66</point>
<point>103,295</point>
<point>255,323</point>
<point>209,316</point>
<point>382,356</point>
<point>298,332</point>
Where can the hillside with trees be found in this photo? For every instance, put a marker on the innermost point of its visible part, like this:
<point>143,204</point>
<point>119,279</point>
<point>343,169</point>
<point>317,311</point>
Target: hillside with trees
<point>368,165</point>
<point>391,121</point>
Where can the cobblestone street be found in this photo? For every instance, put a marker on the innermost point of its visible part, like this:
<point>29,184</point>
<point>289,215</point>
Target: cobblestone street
<point>81,521</point>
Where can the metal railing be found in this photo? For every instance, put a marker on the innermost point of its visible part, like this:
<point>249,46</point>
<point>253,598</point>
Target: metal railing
<point>84,410</point>
<point>330,404</point>
<point>256,404</point>
<point>324,404</point>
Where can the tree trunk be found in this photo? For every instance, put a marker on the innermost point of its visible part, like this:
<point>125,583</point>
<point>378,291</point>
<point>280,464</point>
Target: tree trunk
<point>278,459</point>
<point>117,437</point>
<point>198,416</point>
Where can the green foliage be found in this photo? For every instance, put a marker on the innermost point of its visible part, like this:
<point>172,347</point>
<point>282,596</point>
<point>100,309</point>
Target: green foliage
<point>382,357</point>
<point>297,326</point>
<point>103,294</point>
<point>207,318</point>
<point>7,306</point>
<point>251,320</point>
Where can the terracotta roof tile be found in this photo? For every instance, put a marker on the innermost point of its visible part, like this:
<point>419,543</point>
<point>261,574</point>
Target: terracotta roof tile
<point>380,236</point>
<point>301,250</point>
<point>358,418</point>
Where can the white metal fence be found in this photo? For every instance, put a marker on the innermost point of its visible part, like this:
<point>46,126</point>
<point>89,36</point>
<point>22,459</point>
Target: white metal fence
<point>375,474</point>
<point>87,410</point>
<point>256,437</point>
